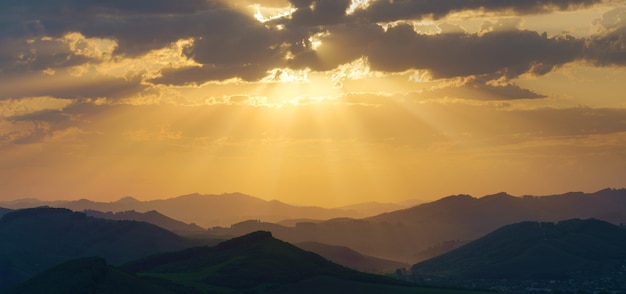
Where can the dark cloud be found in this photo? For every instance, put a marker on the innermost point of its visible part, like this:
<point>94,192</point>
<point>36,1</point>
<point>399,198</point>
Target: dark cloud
<point>20,55</point>
<point>609,46</point>
<point>508,53</point>
<point>230,43</point>
<point>319,12</point>
<point>482,88</point>
<point>392,10</point>
<point>138,26</point>
<point>197,75</point>
<point>325,12</point>
<point>502,92</point>
<point>72,87</point>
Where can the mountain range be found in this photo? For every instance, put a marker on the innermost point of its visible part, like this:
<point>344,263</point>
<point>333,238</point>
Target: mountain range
<point>405,235</point>
<point>152,216</point>
<point>214,210</point>
<point>254,263</point>
<point>502,243</point>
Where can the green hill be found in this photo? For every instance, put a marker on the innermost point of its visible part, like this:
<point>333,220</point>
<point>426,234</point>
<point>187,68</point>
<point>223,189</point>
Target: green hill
<point>33,240</point>
<point>257,262</point>
<point>88,275</point>
<point>578,250</point>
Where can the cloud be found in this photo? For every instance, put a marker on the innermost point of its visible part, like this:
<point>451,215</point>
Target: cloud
<point>137,26</point>
<point>66,85</point>
<point>481,88</point>
<point>393,10</point>
<point>21,54</point>
<point>608,47</point>
<point>509,53</point>
<point>226,41</point>
<point>197,75</point>
<point>318,12</point>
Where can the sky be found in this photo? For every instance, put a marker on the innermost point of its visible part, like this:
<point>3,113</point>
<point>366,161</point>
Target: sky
<point>312,102</point>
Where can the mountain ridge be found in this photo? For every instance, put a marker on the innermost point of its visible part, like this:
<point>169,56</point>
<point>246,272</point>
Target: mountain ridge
<point>152,216</point>
<point>206,210</point>
<point>401,234</point>
<point>573,251</point>
<point>35,239</point>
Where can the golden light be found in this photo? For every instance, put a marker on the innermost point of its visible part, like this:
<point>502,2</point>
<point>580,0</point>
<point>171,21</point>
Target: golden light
<point>356,5</point>
<point>274,13</point>
<point>316,40</point>
<point>17,107</point>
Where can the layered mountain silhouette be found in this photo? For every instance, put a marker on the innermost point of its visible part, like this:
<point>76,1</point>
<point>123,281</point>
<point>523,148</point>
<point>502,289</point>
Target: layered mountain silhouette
<point>205,210</point>
<point>583,253</point>
<point>254,263</point>
<point>406,235</point>
<point>152,217</point>
<point>376,208</point>
<point>33,240</point>
<point>352,259</point>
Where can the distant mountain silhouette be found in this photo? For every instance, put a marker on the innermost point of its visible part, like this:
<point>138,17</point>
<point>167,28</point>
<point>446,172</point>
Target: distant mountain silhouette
<point>32,240</point>
<point>352,259</point>
<point>295,221</point>
<point>203,210</point>
<point>576,251</point>
<point>375,208</point>
<point>407,234</point>
<point>152,217</point>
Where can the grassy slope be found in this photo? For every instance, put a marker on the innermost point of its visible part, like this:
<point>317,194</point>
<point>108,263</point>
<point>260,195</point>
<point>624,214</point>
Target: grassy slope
<point>86,275</point>
<point>532,250</point>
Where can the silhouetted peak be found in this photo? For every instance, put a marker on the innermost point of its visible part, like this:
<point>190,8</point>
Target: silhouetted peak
<point>241,196</point>
<point>190,196</point>
<point>127,200</point>
<point>501,195</point>
<point>151,213</point>
<point>246,240</point>
<point>459,197</point>
<point>611,192</point>
<point>34,212</point>
<point>83,201</point>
